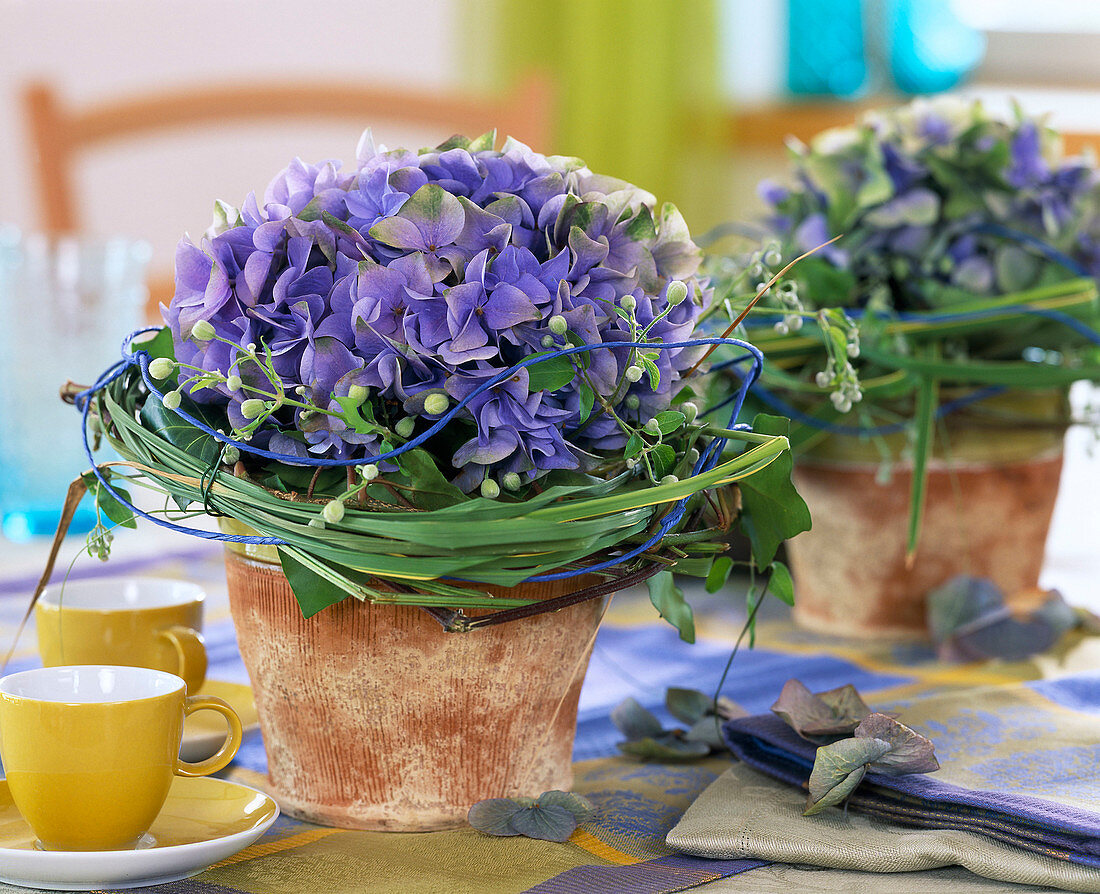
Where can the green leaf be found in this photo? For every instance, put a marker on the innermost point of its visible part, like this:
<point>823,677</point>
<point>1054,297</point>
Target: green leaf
<point>667,748</point>
<point>550,823</point>
<point>719,573</point>
<point>663,458</point>
<point>708,731</point>
<point>688,705</point>
<point>634,721</point>
<point>588,400</point>
<point>312,591</point>
<point>669,600</point>
<point>353,415</point>
<point>669,421</point>
<point>105,500</point>
<point>634,445</point>
<point>581,808</point>
<point>160,345</point>
<point>780,584</point>
<point>772,510</point>
<point>553,816</point>
<point>838,769</point>
<point>432,490</point>
<point>551,374</point>
<point>651,370</point>
<point>876,188</point>
<point>493,816</point>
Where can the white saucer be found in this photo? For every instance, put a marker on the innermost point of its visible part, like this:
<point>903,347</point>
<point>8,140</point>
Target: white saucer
<point>203,821</point>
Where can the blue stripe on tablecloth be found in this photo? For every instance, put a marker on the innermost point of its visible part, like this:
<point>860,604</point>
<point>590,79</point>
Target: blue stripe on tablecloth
<point>644,661</point>
<point>661,876</point>
<point>24,586</point>
<point>1080,692</point>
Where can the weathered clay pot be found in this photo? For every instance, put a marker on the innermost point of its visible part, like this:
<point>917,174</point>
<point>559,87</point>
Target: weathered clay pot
<point>374,718</point>
<point>987,512</point>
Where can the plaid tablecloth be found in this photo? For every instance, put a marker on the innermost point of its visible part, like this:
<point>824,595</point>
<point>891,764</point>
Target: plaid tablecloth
<point>623,849</point>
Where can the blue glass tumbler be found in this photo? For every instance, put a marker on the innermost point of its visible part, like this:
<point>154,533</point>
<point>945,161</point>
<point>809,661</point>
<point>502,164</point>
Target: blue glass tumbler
<point>65,305</point>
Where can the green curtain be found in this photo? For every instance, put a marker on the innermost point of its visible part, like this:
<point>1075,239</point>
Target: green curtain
<point>636,88</point>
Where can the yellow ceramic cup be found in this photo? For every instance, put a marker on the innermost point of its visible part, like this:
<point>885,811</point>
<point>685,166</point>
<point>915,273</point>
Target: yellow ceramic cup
<point>134,621</point>
<point>90,751</point>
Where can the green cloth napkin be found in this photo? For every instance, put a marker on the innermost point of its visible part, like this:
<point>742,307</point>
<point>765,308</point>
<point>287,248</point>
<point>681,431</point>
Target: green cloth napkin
<point>745,814</point>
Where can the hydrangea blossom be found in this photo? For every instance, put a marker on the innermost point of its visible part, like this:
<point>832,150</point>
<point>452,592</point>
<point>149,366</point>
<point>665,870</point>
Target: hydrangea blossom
<point>934,199</point>
<point>421,274</point>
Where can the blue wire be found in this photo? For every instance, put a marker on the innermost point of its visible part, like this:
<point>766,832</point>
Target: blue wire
<point>787,409</point>
<point>140,359</point>
<point>1049,251</point>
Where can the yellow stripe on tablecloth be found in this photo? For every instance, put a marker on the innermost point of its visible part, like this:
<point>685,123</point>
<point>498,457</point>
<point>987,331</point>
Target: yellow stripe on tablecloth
<point>266,849</point>
<point>602,849</point>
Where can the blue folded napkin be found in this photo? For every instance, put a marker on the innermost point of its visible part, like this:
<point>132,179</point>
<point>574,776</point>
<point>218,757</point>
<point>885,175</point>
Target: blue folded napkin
<point>1020,764</point>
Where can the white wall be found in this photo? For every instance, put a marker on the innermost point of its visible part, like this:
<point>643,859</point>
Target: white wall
<point>158,188</point>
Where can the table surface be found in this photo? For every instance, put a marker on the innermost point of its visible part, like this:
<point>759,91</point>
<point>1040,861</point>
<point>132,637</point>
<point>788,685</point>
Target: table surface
<point>621,667</point>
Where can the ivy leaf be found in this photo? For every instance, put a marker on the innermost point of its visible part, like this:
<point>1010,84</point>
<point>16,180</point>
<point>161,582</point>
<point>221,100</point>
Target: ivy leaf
<point>550,374</point>
<point>181,433</point>
<point>493,816</point>
<point>910,752</point>
<point>719,573</point>
<point>838,769</point>
<point>688,705</point>
<point>312,591</point>
<point>669,600</point>
<point>634,721</point>
<point>432,490</point>
<point>160,345</point>
<point>780,584</point>
<point>822,716</point>
<point>772,511</point>
<point>117,512</point>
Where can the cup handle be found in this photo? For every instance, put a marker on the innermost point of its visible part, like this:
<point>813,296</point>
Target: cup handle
<point>190,650</point>
<point>229,747</point>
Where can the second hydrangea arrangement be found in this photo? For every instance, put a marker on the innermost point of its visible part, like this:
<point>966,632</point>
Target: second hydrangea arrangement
<point>942,303</point>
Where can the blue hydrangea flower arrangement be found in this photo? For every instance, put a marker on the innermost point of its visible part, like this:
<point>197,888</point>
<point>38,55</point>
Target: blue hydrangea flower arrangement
<point>384,293</point>
<point>459,363</point>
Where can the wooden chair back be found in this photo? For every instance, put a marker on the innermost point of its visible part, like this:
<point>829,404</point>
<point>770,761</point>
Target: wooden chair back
<point>60,133</point>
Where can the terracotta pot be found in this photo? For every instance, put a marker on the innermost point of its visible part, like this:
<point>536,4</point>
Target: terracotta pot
<point>987,512</point>
<point>374,718</point>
